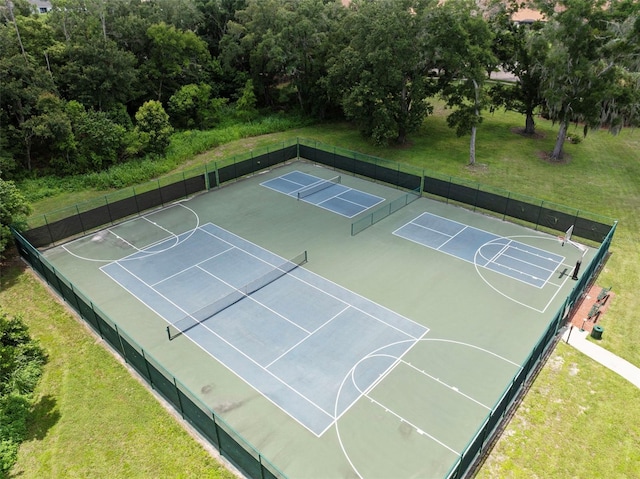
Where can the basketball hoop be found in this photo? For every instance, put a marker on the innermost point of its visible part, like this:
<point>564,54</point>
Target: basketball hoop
<point>566,237</point>
<point>562,240</point>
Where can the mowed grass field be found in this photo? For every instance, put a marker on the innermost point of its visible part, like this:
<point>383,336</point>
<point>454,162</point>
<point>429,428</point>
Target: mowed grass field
<point>578,420</point>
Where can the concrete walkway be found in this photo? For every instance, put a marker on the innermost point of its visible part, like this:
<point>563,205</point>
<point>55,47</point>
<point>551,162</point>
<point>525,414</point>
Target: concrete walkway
<point>578,339</point>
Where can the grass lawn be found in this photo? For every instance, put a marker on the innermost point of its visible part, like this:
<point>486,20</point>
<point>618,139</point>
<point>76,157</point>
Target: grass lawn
<point>579,420</point>
<point>92,418</point>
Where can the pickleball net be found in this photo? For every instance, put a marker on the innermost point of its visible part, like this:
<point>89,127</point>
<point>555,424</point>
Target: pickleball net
<point>318,186</point>
<point>191,320</point>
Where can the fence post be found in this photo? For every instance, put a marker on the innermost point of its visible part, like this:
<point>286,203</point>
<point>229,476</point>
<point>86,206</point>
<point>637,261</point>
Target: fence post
<point>506,206</point>
<point>207,185</point>
<point>53,241</point>
<point>215,426</point>
<point>80,219</point>
<point>539,214</point>
<point>146,365</point>
<point>124,354</point>
<point>175,384</point>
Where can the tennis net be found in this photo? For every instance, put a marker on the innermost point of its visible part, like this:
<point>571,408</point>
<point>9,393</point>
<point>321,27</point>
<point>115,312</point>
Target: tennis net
<point>318,186</point>
<point>189,321</point>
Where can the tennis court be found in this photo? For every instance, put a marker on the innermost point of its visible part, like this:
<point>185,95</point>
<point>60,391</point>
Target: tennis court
<point>376,355</point>
<point>287,332</point>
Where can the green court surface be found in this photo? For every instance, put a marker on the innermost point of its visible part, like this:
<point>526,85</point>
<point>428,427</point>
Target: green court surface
<point>471,293</point>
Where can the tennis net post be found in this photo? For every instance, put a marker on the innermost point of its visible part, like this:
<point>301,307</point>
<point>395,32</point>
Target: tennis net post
<point>198,317</point>
<point>318,186</point>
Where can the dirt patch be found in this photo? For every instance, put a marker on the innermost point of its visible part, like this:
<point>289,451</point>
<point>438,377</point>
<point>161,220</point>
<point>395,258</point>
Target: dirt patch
<point>533,136</point>
<point>546,157</point>
<point>555,363</point>
<point>403,146</point>
<point>477,168</point>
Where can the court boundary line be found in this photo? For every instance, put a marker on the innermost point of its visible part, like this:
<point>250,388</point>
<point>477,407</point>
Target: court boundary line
<point>135,248</point>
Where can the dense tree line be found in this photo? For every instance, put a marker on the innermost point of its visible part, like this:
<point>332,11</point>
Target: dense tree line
<point>97,82</point>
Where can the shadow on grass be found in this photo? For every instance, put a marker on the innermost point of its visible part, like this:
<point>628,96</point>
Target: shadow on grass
<point>11,267</point>
<point>44,415</point>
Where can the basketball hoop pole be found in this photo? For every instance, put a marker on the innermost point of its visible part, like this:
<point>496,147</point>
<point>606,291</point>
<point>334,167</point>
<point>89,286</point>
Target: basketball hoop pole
<point>584,250</point>
<point>574,276</point>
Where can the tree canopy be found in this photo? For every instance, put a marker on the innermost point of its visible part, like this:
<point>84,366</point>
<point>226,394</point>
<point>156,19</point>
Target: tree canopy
<point>86,67</point>
<point>13,210</point>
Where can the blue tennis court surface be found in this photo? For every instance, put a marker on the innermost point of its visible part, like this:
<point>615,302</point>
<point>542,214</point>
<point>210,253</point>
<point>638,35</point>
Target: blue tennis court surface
<point>295,340</point>
<point>324,193</point>
<point>508,257</point>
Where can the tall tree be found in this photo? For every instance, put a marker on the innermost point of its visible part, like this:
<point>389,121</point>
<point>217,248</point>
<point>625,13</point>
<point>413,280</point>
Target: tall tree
<point>462,41</point>
<point>252,45</point>
<point>590,73</point>
<point>175,58</point>
<point>96,73</point>
<point>22,83</point>
<point>216,15</point>
<point>153,124</point>
<point>379,76</point>
<point>519,51</point>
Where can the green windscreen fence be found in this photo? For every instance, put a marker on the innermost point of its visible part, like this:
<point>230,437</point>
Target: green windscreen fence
<point>511,205</point>
<point>81,219</point>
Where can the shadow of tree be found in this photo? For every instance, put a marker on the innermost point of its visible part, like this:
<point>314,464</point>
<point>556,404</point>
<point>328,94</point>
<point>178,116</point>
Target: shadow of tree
<point>43,417</point>
<point>10,268</point>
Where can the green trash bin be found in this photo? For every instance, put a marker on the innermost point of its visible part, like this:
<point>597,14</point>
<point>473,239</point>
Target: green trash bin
<point>596,332</point>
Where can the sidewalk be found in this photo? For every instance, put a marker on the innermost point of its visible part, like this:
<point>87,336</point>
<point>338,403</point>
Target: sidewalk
<point>578,339</point>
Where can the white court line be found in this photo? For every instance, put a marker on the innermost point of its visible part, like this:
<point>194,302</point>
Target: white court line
<point>250,297</point>
<point>324,291</point>
<point>454,389</point>
<point>197,265</point>
<point>438,248</point>
<point>305,338</point>
<point>420,431</point>
<point>520,260</point>
<point>522,272</point>
<point>492,260</point>
<point>382,200</point>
